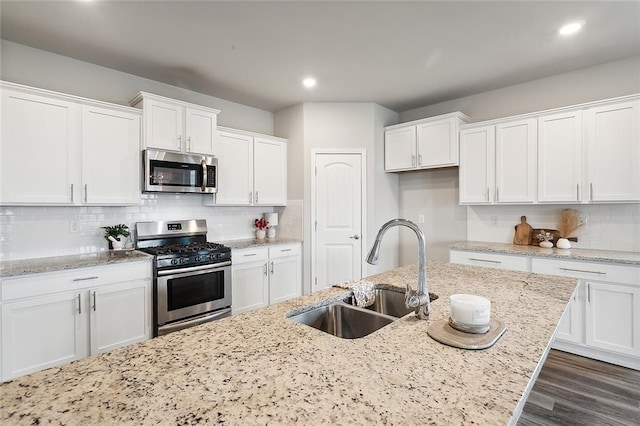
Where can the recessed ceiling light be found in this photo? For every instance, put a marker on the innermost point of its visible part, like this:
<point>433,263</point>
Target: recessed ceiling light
<point>309,82</point>
<point>570,28</point>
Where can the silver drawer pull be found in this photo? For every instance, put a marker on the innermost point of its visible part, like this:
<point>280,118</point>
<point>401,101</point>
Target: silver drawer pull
<point>582,270</point>
<point>249,255</point>
<point>485,260</point>
<point>285,250</point>
<point>85,279</point>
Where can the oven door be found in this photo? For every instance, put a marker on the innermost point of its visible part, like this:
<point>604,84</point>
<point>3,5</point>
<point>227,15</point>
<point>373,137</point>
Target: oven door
<point>186,292</point>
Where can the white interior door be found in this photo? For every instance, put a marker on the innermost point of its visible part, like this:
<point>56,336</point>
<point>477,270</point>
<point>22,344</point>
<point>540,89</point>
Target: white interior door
<point>338,218</point>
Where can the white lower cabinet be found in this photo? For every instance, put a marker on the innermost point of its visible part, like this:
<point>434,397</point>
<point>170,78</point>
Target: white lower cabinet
<point>265,275</point>
<point>602,321</point>
<point>490,260</point>
<point>55,318</point>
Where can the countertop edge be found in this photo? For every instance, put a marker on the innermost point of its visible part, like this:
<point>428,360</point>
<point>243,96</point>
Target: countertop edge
<point>589,255</point>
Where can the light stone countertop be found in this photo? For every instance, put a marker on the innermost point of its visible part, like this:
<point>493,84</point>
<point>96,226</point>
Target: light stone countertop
<point>251,243</point>
<point>262,368</point>
<point>604,256</point>
<point>11,268</point>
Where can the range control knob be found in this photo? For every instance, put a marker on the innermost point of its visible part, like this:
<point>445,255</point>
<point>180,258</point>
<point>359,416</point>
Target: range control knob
<point>174,262</point>
<point>198,258</point>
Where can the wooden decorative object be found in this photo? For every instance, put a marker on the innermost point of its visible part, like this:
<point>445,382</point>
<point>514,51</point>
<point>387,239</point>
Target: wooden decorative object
<point>524,233</point>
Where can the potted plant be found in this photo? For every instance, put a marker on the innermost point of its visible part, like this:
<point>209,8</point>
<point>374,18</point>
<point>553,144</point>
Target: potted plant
<point>115,234</point>
<point>567,225</point>
<point>261,224</point>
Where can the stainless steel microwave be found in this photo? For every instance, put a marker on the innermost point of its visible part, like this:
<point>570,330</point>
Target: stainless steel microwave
<point>166,171</point>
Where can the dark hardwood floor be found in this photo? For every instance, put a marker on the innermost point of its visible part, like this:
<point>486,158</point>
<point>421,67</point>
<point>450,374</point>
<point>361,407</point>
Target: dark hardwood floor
<point>572,390</point>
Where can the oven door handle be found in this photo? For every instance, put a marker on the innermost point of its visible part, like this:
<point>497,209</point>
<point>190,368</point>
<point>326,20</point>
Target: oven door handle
<point>209,267</point>
<point>165,329</point>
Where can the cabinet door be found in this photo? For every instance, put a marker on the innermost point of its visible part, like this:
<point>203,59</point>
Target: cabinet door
<point>437,144</point>
<point>477,165</point>
<point>120,315</point>
<point>571,326</point>
<point>270,172</point>
<point>516,163</point>
<point>43,332</point>
<point>613,317</point>
<point>39,148</point>
<point>200,126</point>
<point>235,169</point>
<point>400,149</point>
<point>250,286</point>
<point>163,125</point>
<point>285,278</point>
<point>560,157</point>
<point>110,156</point>
<point>613,152</point>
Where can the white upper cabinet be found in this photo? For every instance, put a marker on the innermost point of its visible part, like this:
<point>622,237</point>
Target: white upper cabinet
<point>235,169</point>
<point>477,165</point>
<point>178,126</point>
<point>110,156</point>
<point>252,169</point>
<point>516,148</point>
<point>423,144</point>
<point>400,148</point>
<point>498,163</point>
<point>77,151</point>
<point>560,157</point>
<point>40,140</point>
<point>582,154</point>
<point>269,172</point>
<point>612,139</point>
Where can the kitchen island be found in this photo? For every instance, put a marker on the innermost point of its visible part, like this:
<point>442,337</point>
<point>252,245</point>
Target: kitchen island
<point>261,367</point>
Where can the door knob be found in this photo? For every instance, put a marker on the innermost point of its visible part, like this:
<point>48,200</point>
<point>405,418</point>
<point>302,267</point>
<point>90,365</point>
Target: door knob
<point>355,237</point>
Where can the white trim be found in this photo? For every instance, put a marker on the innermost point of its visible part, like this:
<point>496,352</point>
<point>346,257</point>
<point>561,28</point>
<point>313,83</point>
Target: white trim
<point>363,205</point>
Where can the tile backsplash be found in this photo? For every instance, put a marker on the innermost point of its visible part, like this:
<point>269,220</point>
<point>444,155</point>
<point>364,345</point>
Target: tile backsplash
<point>31,232</point>
<point>606,227</point>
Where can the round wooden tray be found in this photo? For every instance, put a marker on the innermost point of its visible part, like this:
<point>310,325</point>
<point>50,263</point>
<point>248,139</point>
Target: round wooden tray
<point>442,332</point>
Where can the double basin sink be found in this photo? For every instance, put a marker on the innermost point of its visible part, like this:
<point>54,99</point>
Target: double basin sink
<point>344,320</point>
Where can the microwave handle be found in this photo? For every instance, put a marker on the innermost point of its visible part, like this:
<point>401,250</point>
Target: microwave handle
<point>203,163</point>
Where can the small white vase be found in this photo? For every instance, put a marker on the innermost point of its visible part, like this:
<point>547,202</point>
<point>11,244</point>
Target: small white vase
<point>260,234</point>
<point>563,243</point>
<point>271,232</point>
<point>546,244</point>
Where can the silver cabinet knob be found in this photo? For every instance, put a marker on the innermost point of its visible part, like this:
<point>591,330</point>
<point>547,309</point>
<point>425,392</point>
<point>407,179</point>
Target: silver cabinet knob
<point>355,237</point>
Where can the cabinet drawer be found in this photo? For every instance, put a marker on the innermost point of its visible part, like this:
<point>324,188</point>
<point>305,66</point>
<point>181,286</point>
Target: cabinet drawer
<point>284,250</point>
<point>587,270</point>
<point>249,255</point>
<point>76,279</point>
<point>490,260</point>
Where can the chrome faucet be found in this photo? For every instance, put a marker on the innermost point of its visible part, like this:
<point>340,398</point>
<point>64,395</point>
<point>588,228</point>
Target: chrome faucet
<point>419,300</point>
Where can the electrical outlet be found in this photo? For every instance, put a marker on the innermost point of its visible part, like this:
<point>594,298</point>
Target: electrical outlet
<point>494,221</point>
<point>420,218</point>
<point>73,226</point>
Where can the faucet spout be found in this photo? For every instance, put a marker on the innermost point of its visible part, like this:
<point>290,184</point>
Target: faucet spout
<point>419,299</point>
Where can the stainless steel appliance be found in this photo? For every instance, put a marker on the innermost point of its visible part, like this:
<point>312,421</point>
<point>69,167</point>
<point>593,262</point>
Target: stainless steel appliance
<point>166,171</point>
<point>192,277</point>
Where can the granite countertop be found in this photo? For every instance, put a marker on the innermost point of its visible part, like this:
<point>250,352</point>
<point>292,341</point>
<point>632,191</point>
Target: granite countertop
<point>261,367</point>
<point>251,243</point>
<point>604,256</point>
<point>12,268</point>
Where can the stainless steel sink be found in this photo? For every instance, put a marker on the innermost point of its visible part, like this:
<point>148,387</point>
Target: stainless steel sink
<point>347,322</point>
<point>389,302</point>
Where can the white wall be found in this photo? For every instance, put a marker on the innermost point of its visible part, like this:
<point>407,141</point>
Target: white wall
<point>38,68</point>
<point>607,226</point>
<point>589,84</point>
<point>30,232</point>
<point>435,193</point>
<point>343,126</point>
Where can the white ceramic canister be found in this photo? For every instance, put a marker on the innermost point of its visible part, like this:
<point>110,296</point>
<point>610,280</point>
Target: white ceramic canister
<point>470,310</point>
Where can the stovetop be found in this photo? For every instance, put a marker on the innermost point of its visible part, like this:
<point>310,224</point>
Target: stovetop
<point>188,248</point>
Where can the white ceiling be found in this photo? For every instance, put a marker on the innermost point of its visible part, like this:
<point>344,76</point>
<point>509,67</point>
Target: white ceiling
<point>401,55</point>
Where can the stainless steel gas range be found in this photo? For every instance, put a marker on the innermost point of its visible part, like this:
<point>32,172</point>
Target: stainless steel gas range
<point>192,277</point>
